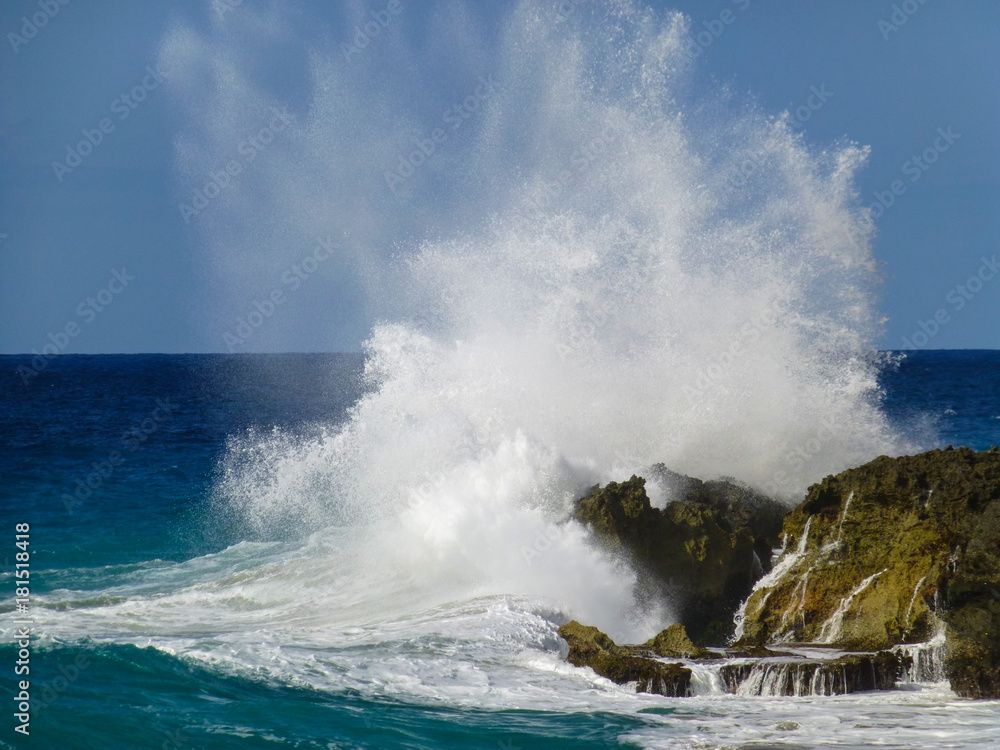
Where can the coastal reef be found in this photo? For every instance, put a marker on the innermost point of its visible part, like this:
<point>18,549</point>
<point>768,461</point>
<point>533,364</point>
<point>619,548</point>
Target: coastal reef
<point>704,550</point>
<point>589,647</point>
<point>875,561</point>
<point>652,668</point>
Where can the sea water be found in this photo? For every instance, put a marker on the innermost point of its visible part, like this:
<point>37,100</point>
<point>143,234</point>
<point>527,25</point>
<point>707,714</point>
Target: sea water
<point>167,615</point>
<point>612,264</point>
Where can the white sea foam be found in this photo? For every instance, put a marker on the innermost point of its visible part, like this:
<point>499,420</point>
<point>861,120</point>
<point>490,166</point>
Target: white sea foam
<point>609,296</point>
<point>534,335</point>
<point>303,616</point>
<point>579,283</point>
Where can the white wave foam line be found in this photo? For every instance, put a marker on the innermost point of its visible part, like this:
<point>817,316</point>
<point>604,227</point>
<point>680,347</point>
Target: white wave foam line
<point>927,716</point>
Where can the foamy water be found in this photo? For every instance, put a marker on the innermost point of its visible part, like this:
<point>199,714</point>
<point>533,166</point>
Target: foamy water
<point>608,298</point>
<point>275,614</point>
<point>573,287</point>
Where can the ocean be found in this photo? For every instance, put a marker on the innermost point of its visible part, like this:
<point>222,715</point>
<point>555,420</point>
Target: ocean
<point>269,551</point>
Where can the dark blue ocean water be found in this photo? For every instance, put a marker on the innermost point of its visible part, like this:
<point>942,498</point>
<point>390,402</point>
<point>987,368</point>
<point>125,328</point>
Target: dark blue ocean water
<point>112,460</point>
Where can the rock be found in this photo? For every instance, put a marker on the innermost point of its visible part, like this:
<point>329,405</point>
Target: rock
<point>738,505</point>
<point>743,651</point>
<point>767,673</point>
<point>851,673</point>
<point>973,611</point>
<point>589,647</point>
<point>880,555</point>
<point>585,642</point>
<point>705,549</point>
<point>674,643</point>
<point>973,661</point>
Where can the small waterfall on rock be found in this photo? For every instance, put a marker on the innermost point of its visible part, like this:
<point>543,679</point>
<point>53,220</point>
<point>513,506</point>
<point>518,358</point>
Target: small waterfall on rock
<point>809,675</point>
<point>831,629</point>
<point>706,679</point>
<point>831,546</point>
<point>926,659</point>
<point>843,515</point>
<point>784,564</point>
<point>795,606</point>
<point>909,609</point>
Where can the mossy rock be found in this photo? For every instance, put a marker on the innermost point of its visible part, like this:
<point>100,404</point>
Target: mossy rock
<point>589,647</point>
<point>973,661</point>
<point>890,550</point>
<point>585,641</point>
<point>674,643</point>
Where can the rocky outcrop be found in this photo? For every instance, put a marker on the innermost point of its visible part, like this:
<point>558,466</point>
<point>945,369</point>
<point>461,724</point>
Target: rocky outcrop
<point>887,554</point>
<point>972,609</point>
<point>852,673</point>
<point>589,647</point>
<point>674,643</point>
<point>875,561</point>
<point>738,505</point>
<point>762,672</point>
<point>704,550</point>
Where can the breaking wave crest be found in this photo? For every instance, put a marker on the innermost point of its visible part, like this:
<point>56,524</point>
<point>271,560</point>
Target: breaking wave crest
<point>581,279</point>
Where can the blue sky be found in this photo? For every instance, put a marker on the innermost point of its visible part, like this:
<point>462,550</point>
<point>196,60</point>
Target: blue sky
<point>98,258</point>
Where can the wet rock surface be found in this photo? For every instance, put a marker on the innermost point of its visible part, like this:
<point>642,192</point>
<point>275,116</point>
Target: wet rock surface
<point>704,550</point>
<point>675,643</point>
<point>764,672</point>
<point>889,553</point>
<point>851,673</point>
<point>589,647</point>
<point>898,551</point>
<point>972,611</point>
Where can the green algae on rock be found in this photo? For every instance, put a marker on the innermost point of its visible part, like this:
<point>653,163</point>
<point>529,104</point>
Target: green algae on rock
<point>589,647</point>
<point>675,643</point>
<point>763,672</point>
<point>887,553</point>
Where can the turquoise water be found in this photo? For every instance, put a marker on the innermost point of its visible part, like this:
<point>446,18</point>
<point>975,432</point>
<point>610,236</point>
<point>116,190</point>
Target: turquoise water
<point>141,697</point>
<point>171,612</point>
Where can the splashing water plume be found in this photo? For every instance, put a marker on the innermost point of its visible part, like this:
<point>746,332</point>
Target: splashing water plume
<point>582,281</point>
